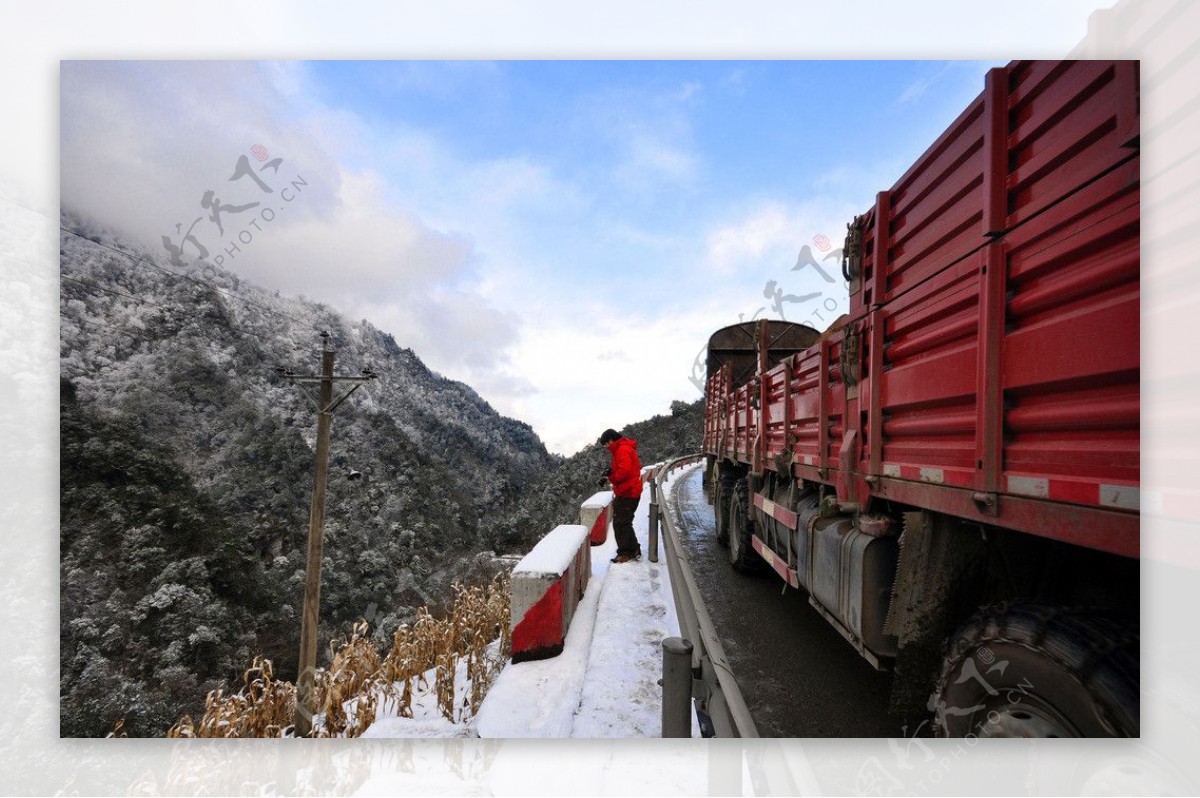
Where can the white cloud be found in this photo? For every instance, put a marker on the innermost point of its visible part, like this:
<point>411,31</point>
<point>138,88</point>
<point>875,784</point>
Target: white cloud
<point>645,143</point>
<point>736,82</point>
<point>288,76</point>
<point>732,245</point>
<point>688,90</point>
<point>595,370</point>
<point>501,191</point>
<point>650,159</point>
<point>372,259</point>
<point>143,142</point>
<point>919,87</point>
<point>769,236</point>
<point>494,199</point>
<point>441,79</point>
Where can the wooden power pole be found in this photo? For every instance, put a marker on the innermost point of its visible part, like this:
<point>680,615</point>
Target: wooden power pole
<point>306,672</point>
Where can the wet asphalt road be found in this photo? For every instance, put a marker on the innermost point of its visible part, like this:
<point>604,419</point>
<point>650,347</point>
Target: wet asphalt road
<point>798,676</point>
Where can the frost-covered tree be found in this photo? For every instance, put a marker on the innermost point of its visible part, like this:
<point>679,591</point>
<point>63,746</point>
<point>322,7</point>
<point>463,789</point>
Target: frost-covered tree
<point>187,470</point>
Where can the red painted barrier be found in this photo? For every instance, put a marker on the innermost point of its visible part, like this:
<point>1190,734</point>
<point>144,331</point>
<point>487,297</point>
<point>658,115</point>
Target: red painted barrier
<point>547,585</point>
<point>594,514</point>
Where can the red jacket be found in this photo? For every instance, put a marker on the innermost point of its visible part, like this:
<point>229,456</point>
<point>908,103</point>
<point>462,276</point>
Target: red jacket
<point>626,474</point>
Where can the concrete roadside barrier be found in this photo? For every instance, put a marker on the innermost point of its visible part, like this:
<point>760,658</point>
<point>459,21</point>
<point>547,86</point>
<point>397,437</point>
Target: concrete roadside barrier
<point>546,587</point>
<point>594,514</point>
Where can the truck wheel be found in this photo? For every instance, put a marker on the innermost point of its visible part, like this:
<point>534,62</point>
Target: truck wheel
<point>741,552</point>
<point>1031,670</point>
<point>723,492</point>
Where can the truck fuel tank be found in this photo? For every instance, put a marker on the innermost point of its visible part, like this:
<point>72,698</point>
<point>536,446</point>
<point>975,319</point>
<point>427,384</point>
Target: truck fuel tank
<point>848,574</point>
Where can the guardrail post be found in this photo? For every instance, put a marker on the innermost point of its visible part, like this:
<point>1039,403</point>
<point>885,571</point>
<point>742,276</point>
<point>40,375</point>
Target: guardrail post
<point>677,687</point>
<point>653,519</point>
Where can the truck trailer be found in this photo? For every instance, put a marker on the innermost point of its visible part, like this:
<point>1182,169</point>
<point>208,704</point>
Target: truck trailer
<point>951,470</point>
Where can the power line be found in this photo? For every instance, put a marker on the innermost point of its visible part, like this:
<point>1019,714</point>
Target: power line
<point>98,287</point>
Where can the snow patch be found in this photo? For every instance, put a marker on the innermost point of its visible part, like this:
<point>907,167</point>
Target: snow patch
<point>553,554</point>
<point>599,500</point>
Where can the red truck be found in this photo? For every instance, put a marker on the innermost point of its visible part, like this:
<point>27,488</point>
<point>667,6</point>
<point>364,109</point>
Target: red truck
<point>951,471</point>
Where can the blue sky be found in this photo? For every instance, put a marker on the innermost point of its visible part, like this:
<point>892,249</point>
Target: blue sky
<point>561,235</point>
<point>650,154</point>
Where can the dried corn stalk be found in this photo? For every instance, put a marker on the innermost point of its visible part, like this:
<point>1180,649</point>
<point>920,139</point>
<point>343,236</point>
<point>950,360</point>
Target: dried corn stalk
<point>263,707</point>
<point>350,692</point>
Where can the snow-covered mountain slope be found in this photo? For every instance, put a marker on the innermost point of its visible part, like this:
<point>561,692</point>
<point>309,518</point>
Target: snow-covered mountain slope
<point>186,471</point>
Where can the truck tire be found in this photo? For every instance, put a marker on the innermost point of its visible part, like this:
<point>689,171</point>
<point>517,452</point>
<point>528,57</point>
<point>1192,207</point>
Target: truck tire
<point>722,493</point>
<point>741,552</point>
<point>1032,670</point>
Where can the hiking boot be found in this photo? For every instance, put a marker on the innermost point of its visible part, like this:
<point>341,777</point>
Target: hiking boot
<point>620,558</point>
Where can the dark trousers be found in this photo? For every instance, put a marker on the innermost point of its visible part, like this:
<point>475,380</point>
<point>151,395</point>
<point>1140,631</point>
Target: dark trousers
<point>623,510</point>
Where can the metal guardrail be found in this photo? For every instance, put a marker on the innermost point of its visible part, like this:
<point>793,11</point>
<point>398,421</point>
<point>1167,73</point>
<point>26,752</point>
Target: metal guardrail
<point>713,687</point>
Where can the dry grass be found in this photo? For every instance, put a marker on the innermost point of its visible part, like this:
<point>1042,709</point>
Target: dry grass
<point>264,707</point>
<point>352,675</point>
<point>350,691</point>
<point>479,616</point>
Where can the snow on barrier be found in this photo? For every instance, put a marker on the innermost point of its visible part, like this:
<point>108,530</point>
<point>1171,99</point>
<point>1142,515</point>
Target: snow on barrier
<point>594,513</point>
<point>546,587</point>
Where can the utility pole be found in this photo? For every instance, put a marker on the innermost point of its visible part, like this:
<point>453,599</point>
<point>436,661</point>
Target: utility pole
<point>305,687</point>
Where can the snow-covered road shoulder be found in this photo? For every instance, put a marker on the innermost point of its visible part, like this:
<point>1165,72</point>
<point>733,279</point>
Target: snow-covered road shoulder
<point>605,682</point>
<point>539,698</point>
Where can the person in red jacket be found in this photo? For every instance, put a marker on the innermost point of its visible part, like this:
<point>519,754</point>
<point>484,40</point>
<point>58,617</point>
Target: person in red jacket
<point>625,474</point>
